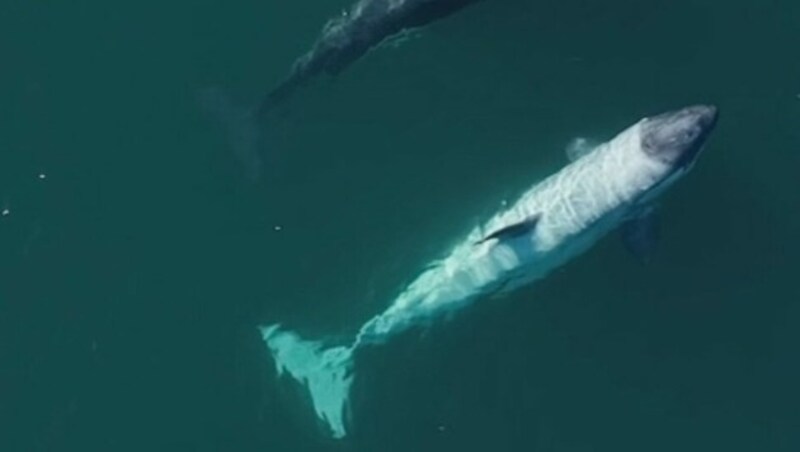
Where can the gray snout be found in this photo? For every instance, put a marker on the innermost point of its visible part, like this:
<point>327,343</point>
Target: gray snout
<point>676,137</point>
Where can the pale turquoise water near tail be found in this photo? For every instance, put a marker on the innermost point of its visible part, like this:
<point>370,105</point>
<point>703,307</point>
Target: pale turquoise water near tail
<point>135,274</point>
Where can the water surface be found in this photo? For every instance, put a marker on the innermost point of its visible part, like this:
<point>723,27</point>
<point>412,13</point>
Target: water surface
<point>135,272</point>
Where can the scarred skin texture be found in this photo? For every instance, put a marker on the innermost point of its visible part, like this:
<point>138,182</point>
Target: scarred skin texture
<point>564,215</point>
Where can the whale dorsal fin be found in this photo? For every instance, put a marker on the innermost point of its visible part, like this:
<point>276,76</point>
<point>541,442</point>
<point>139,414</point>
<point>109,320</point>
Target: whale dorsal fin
<point>514,230</point>
<point>579,147</point>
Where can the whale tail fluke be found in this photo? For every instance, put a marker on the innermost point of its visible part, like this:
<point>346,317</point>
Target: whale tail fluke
<point>241,125</point>
<point>325,372</point>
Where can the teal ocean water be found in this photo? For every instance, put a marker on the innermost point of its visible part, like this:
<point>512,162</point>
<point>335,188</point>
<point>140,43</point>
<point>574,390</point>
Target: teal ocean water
<point>137,261</point>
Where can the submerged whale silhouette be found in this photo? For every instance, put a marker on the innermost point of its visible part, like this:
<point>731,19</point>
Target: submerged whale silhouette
<point>351,35</point>
<point>611,186</point>
<point>344,39</point>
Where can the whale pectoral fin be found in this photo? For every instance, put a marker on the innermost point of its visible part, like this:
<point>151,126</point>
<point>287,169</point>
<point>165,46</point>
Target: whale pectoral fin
<point>513,231</point>
<point>401,37</point>
<point>640,235</point>
<point>579,147</point>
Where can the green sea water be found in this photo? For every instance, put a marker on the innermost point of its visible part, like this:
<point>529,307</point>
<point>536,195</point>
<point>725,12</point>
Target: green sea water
<point>136,261</point>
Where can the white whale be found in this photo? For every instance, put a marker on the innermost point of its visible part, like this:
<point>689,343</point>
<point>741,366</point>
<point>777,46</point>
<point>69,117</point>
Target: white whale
<point>602,189</point>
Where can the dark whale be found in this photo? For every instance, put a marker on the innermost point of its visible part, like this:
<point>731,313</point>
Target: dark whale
<point>344,39</point>
<point>351,35</point>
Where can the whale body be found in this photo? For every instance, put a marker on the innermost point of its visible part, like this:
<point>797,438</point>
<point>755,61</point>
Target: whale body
<point>611,187</point>
<point>348,37</point>
<point>344,39</point>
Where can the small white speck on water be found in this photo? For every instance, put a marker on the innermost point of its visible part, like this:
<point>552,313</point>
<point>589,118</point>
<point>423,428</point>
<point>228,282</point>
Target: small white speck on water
<point>504,202</point>
<point>6,212</point>
<point>441,428</point>
<point>42,176</point>
<point>277,228</point>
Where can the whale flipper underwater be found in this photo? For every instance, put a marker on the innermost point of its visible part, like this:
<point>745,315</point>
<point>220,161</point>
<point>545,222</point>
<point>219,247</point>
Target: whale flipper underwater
<point>344,39</point>
<point>551,223</point>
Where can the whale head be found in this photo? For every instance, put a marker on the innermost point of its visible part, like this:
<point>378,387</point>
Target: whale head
<point>667,147</point>
<point>675,138</point>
